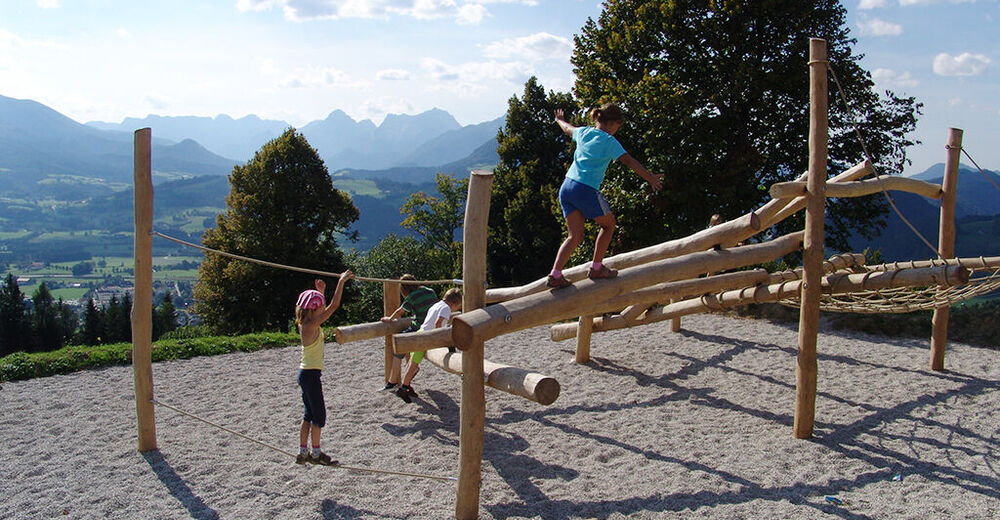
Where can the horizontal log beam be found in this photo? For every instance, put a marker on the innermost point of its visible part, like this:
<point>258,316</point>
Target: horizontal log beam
<point>861,188</point>
<point>579,299</point>
<point>421,340</point>
<point>726,234</point>
<point>533,386</point>
<point>832,284</point>
<point>779,209</point>
<point>377,329</point>
<point>988,262</point>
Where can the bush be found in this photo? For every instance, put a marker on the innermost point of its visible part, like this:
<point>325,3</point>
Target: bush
<point>21,365</point>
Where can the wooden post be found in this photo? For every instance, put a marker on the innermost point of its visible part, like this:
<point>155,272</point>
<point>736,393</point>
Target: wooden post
<point>812,257</point>
<point>583,329</point>
<point>473,411</point>
<point>675,323</point>
<point>142,302</point>
<point>390,302</point>
<point>946,242</point>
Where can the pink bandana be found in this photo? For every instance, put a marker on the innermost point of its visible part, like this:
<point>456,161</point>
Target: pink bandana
<point>311,299</point>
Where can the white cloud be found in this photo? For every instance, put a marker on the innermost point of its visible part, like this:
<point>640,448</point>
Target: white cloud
<point>469,78</point>
<point>872,4</point>
<point>879,27</point>
<point>954,102</point>
<point>157,101</point>
<point>965,64</point>
<point>536,47</point>
<point>377,109</point>
<point>888,78</point>
<point>123,33</point>
<point>10,41</point>
<point>48,4</point>
<point>464,12</point>
<point>315,77</point>
<point>392,75</point>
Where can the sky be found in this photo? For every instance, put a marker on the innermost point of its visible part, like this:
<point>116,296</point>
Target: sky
<point>299,60</point>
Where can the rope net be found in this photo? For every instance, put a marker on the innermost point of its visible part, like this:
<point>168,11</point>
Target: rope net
<point>983,279</point>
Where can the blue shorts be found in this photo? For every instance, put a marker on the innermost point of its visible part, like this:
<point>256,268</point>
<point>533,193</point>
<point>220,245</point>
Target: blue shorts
<point>574,195</point>
<point>314,408</point>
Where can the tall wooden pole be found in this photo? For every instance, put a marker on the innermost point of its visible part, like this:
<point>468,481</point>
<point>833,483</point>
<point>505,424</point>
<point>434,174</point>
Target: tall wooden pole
<point>390,302</point>
<point>812,258</point>
<point>946,242</point>
<point>473,412</point>
<point>583,329</point>
<point>142,302</point>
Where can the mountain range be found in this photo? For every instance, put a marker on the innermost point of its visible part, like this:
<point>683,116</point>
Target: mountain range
<point>428,139</point>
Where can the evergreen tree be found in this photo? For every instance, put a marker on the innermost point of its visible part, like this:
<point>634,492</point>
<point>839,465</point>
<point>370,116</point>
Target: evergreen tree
<point>526,224</point>
<point>68,322</point>
<point>14,324</point>
<point>45,326</point>
<point>92,330</point>
<point>282,208</point>
<point>164,317</point>
<point>716,95</point>
<point>114,319</point>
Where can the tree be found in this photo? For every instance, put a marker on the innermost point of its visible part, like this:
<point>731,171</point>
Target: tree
<point>282,208</point>
<point>45,325</point>
<point>717,98</point>
<point>392,257</point>
<point>437,219</point>
<point>14,325</point>
<point>92,329</point>
<point>526,224</point>
<point>164,317</point>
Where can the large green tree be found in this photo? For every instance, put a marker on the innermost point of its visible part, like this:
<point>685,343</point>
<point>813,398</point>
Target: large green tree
<point>525,223</point>
<point>282,208</point>
<point>716,94</point>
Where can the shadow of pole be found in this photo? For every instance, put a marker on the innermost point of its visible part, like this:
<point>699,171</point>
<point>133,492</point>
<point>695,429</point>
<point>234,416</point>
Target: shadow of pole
<point>178,488</point>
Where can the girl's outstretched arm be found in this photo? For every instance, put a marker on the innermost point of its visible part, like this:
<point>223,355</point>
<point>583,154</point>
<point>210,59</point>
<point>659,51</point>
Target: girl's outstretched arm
<point>566,127</point>
<point>655,181</point>
<point>337,294</point>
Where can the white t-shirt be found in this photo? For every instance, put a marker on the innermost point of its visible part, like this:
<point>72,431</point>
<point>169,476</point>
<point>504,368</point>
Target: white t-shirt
<point>438,310</point>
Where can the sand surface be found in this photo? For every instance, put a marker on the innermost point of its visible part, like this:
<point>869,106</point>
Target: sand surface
<point>696,424</point>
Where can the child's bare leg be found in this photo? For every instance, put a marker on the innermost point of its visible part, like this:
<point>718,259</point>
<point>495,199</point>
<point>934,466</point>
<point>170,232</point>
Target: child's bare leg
<point>574,223</point>
<point>607,223</point>
<point>315,431</point>
<point>411,370</point>
<point>394,369</point>
<point>304,433</point>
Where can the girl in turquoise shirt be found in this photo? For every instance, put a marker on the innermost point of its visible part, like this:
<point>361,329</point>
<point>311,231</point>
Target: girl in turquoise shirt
<point>580,196</point>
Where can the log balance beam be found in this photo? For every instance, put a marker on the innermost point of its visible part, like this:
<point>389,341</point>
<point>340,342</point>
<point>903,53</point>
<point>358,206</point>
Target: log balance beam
<point>831,284</point>
<point>578,299</point>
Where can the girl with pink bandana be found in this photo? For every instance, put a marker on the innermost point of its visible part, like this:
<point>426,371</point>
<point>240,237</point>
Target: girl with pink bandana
<point>311,310</point>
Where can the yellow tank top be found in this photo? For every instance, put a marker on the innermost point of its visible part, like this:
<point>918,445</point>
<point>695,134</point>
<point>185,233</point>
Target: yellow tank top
<point>312,354</point>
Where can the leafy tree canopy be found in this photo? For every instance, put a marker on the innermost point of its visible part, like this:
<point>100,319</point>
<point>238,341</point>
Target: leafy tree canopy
<point>716,94</point>
<point>282,208</point>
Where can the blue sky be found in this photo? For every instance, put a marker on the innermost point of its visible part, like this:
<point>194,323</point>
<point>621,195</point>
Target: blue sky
<point>298,60</point>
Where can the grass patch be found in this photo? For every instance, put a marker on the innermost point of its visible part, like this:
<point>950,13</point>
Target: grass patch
<point>364,187</point>
<point>21,365</point>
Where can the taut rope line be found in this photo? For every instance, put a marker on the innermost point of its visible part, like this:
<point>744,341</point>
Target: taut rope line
<point>864,147</point>
<point>292,455</point>
<point>301,269</point>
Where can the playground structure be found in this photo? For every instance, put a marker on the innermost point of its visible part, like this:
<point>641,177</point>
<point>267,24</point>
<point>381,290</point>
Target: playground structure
<point>661,282</point>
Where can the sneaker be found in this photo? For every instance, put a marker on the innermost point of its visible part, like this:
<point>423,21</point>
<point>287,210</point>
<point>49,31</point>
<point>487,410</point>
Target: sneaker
<point>389,386</point>
<point>323,460</point>
<point>603,272</point>
<point>557,282</point>
<point>303,458</point>
<point>404,395</point>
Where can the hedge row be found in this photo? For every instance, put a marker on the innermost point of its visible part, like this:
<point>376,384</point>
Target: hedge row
<point>21,365</point>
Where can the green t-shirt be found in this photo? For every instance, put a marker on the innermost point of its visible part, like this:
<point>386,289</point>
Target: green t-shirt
<point>418,302</point>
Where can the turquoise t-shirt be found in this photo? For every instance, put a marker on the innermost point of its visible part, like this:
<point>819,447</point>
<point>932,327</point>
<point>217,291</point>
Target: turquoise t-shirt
<point>595,149</point>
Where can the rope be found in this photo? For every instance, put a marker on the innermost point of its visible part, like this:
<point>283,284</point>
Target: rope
<point>979,168</point>
<point>864,148</point>
<point>292,455</point>
<point>455,281</point>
